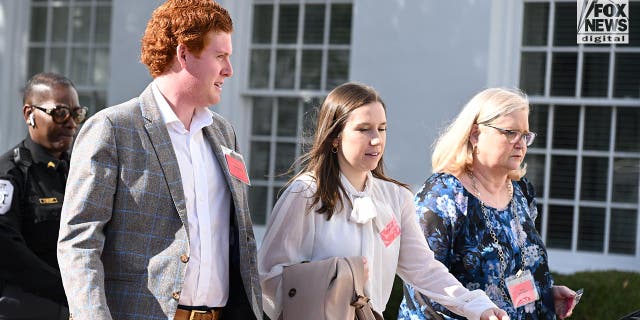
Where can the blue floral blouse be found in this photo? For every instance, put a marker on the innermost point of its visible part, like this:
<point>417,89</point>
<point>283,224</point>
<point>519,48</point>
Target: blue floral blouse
<point>454,225</point>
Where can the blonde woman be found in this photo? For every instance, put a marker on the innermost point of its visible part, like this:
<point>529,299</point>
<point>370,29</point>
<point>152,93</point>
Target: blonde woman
<point>478,213</point>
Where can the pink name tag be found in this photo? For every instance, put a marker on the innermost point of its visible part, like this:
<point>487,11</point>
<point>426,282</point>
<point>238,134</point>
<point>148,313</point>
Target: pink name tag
<point>236,166</point>
<point>390,232</point>
<point>522,289</point>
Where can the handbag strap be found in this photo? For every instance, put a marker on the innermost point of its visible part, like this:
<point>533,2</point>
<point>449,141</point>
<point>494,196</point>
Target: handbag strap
<point>360,300</point>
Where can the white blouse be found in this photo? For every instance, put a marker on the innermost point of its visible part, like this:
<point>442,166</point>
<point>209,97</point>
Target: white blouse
<point>295,234</point>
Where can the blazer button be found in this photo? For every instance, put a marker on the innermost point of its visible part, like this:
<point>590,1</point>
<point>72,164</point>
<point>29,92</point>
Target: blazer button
<point>292,292</point>
<point>176,295</point>
<point>184,258</point>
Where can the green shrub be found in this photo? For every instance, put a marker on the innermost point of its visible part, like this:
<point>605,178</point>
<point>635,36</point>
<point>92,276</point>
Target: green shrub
<point>607,294</point>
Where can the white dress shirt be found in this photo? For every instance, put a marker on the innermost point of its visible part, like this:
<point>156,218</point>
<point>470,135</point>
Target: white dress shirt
<point>294,235</point>
<point>208,203</point>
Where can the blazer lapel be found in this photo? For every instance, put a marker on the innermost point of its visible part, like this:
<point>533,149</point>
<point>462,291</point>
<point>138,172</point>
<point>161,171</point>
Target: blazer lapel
<point>161,142</point>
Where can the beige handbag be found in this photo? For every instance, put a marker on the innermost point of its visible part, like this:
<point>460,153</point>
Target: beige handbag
<point>326,289</point>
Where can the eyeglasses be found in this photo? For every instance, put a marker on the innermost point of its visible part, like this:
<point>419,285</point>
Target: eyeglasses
<point>61,113</point>
<point>514,136</point>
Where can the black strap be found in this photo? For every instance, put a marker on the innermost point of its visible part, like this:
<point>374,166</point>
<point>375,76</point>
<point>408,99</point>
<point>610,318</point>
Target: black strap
<point>22,158</point>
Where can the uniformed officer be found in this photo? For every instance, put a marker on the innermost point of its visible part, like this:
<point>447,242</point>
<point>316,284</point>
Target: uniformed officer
<point>32,182</point>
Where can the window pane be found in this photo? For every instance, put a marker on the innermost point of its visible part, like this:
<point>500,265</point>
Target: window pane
<point>594,178</point>
<point>565,129</point>
<point>57,60</point>
<point>314,23</point>
<point>38,24</point>
<point>340,24</point>
<point>627,76</point>
<point>538,123</point>
<point>597,128</point>
<point>100,99</point>
<point>261,119</point>
<point>262,23</point>
<point>595,74</point>
<point>80,24</point>
<point>259,165</point>
<point>563,73</point>
<point>563,177</point>
<point>285,155</point>
<point>622,234</point>
<point>285,69</point>
<point>535,172</point>
<point>535,26</point>
<point>625,180</point>
<point>634,20</point>
<point>288,23</point>
<point>259,74</point>
<point>532,73</point>
<point>60,22</point>
<point>103,24</point>
<point>564,29</point>
<point>591,229</point>
<point>258,204</point>
<point>101,67</point>
<point>36,61</point>
<point>80,66</point>
<point>309,119</point>
<point>628,129</point>
<point>338,68</point>
<point>287,117</point>
<point>560,227</point>
<point>310,75</point>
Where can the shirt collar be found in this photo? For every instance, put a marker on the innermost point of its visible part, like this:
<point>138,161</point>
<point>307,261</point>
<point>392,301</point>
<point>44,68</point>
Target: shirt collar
<point>201,118</point>
<point>40,155</point>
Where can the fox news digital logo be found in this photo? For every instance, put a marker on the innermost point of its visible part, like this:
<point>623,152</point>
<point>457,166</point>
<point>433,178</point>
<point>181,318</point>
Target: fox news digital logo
<point>604,21</point>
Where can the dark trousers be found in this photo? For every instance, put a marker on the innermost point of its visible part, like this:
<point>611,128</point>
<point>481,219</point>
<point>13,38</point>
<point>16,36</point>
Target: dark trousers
<point>16,304</point>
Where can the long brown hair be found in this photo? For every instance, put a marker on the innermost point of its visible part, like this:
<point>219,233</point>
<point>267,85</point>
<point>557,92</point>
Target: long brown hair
<point>320,161</point>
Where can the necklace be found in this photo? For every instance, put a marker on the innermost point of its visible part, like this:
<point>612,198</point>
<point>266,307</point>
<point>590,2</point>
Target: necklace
<point>492,232</point>
<point>474,185</point>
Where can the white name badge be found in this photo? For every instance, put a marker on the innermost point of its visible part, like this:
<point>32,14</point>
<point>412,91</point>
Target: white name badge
<point>522,289</point>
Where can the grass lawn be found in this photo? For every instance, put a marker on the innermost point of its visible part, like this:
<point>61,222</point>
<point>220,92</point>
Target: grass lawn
<point>607,294</point>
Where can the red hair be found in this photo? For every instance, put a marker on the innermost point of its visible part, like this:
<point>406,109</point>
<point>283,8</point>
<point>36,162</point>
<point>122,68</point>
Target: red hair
<point>180,21</point>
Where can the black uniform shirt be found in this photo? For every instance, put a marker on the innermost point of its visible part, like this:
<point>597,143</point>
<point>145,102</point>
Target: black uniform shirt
<point>30,219</point>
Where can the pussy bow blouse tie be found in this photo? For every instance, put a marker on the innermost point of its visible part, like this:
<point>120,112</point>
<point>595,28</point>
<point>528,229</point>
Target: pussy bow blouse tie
<point>363,209</point>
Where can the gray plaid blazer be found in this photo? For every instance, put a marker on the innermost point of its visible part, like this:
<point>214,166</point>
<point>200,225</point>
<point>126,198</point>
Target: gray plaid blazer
<point>124,221</point>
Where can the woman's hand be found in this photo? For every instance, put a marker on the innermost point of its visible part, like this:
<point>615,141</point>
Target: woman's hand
<point>494,314</point>
<point>563,299</point>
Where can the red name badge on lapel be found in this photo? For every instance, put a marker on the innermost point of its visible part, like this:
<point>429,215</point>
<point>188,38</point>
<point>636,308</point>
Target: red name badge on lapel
<point>235,163</point>
<point>390,232</point>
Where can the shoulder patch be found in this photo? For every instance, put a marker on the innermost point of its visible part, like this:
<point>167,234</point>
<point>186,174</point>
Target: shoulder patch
<point>6,194</point>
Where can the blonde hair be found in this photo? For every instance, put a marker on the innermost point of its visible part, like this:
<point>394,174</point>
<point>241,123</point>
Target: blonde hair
<point>453,152</point>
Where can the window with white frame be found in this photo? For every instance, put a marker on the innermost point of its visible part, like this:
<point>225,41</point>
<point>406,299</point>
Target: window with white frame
<point>71,37</point>
<point>299,51</point>
<point>585,163</point>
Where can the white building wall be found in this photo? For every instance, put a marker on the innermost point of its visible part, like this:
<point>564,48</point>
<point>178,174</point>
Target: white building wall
<point>13,43</point>
<point>426,58</point>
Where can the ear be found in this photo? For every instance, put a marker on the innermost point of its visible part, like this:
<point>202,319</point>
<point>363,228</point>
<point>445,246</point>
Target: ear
<point>26,111</point>
<point>473,135</point>
<point>181,54</point>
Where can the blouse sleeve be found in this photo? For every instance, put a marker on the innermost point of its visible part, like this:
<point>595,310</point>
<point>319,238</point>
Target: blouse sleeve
<point>418,266</point>
<point>288,240</point>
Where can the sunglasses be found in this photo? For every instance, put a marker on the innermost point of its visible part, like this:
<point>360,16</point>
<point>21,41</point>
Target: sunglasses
<point>61,114</point>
